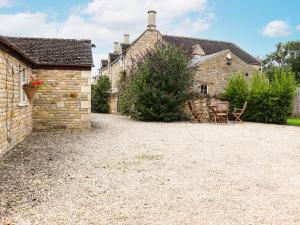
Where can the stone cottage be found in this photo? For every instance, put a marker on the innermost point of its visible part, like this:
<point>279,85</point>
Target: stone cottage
<point>214,61</point>
<point>64,104</point>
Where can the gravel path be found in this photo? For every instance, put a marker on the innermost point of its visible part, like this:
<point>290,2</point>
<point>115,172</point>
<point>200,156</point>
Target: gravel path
<point>128,172</point>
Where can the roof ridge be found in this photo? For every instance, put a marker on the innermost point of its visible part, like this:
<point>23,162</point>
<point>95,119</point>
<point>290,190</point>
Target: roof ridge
<point>200,39</point>
<point>43,38</point>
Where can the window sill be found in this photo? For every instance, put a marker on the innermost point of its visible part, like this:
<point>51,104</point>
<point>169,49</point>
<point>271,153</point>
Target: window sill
<point>22,104</point>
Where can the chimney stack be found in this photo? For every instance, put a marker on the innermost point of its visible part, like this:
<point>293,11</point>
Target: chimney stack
<point>126,38</point>
<point>151,20</point>
<point>116,47</point>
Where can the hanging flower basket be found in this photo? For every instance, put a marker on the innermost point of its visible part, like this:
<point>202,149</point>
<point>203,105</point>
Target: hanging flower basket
<point>31,87</point>
<point>30,92</point>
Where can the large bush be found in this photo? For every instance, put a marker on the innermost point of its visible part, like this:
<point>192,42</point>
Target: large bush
<point>101,95</point>
<point>159,86</point>
<point>236,91</point>
<point>268,102</point>
<point>258,108</point>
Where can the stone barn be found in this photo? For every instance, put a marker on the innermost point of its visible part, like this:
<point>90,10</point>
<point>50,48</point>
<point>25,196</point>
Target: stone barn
<point>65,64</point>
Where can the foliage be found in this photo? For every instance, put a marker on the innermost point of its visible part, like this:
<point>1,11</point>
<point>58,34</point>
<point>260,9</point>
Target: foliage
<point>258,102</point>
<point>268,102</point>
<point>101,95</point>
<point>287,56</point>
<point>283,89</point>
<point>236,91</point>
<point>159,85</point>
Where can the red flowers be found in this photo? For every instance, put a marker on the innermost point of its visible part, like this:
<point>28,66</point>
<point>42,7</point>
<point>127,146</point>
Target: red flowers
<point>36,84</point>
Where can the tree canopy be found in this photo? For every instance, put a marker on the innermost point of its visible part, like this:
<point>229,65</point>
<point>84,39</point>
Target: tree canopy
<point>286,55</point>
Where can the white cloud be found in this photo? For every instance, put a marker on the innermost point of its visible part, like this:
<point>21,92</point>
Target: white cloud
<point>105,21</point>
<point>298,27</point>
<point>5,3</point>
<point>276,28</point>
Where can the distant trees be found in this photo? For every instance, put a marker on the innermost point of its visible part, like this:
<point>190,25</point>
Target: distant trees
<point>101,95</point>
<point>287,56</point>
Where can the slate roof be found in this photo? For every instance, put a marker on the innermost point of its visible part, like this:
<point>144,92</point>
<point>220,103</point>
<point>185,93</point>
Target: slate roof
<point>54,52</point>
<point>199,59</point>
<point>210,47</point>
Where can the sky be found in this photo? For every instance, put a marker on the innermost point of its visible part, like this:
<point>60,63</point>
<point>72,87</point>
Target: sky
<point>255,25</point>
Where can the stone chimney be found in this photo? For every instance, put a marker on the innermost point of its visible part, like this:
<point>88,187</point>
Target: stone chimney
<point>116,47</point>
<point>126,39</point>
<point>151,20</point>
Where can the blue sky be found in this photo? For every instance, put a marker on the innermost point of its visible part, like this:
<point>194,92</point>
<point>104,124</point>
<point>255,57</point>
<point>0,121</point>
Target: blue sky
<point>256,26</point>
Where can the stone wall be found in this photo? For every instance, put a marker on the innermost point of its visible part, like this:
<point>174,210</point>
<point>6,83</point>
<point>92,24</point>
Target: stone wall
<point>199,104</point>
<point>15,119</point>
<point>66,103</point>
<point>215,72</point>
<point>147,40</point>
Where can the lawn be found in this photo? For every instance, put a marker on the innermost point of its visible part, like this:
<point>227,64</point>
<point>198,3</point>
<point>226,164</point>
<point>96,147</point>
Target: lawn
<point>294,121</point>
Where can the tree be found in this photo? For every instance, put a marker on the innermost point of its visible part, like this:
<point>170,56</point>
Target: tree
<point>287,55</point>
<point>101,95</point>
<point>159,86</point>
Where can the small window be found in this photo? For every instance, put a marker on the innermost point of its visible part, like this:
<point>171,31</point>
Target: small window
<point>204,89</point>
<point>23,79</point>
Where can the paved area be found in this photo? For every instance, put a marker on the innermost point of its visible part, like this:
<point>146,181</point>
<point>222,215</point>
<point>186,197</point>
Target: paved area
<point>129,172</point>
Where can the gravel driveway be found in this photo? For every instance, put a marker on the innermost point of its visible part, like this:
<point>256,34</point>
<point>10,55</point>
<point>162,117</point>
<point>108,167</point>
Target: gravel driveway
<point>129,172</point>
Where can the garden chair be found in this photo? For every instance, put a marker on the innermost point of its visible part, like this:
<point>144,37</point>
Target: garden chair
<point>196,113</point>
<point>222,111</point>
<point>237,113</point>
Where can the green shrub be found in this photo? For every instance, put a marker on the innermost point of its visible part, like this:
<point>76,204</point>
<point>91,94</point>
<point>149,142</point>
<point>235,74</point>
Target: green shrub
<point>258,108</point>
<point>267,102</point>
<point>101,95</point>
<point>159,86</point>
<point>236,91</point>
<point>283,88</point>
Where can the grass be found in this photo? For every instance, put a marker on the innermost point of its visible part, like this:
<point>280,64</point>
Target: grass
<point>294,121</point>
<point>149,157</point>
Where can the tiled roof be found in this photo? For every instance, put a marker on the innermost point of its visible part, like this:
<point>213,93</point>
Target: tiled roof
<point>55,52</point>
<point>210,47</point>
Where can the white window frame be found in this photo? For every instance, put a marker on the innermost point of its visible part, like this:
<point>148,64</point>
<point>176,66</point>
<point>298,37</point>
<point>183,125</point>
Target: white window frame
<point>206,89</point>
<point>23,80</point>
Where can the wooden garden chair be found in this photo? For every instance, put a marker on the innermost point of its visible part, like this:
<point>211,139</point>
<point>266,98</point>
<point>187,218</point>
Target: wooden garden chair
<point>237,113</point>
<point>222,111</point>
<point>196,113</point>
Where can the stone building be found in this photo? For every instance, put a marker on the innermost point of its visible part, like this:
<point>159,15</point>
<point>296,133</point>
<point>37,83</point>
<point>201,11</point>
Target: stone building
<point>64,104</point>
<point>214,61</point>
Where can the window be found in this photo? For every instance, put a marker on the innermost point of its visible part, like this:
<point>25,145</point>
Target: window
<point>23,79</point>
<point>204,89</point>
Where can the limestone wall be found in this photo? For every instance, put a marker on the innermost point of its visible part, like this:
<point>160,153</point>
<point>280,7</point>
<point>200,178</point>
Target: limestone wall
<point>215,73</point>
<point>66,103</point>
<point>15,119</point>
<point>146,41</point>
